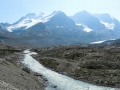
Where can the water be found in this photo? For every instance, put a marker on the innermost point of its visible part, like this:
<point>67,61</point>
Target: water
<point>54,79</point>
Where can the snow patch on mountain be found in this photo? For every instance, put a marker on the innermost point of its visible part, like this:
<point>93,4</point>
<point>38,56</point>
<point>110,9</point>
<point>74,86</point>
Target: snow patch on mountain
<point>78,24</point>
<point>86,28</point>
<point>109,25</point>
<point>59,27</point>
<point>97,42</point>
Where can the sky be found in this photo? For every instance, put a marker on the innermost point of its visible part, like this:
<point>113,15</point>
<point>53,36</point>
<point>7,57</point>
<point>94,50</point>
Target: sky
<point>12,10</point>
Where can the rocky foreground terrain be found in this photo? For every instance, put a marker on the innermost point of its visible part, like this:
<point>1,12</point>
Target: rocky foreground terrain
<point>14,75</point>
<point>98,65</point>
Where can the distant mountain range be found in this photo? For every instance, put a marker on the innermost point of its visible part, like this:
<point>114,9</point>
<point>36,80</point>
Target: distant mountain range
<point>39,29</point>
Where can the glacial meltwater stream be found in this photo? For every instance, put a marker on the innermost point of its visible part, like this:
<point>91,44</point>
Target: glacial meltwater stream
<point>61,82</point>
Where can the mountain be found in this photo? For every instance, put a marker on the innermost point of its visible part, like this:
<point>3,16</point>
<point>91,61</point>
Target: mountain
<point>40,29</point>
<point>29,20</point>
<point>26,22</point>
<point>56,19</point>
<point>87,19</point>
<point>43,34</point>
<point>101,25</point>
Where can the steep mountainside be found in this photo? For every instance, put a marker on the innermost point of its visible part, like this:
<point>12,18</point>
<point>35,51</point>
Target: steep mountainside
<point>60,20</point>
<point>37,30</point>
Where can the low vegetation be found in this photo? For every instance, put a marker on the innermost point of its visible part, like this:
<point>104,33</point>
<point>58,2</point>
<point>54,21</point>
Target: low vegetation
<point>49,63</point>
<point>98,65</point>
<point>5,52</point>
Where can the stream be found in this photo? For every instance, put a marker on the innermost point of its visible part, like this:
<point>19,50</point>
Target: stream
<point>58,81</point>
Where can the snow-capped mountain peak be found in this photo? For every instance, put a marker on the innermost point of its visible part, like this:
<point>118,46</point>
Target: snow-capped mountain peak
<point>31,19</point>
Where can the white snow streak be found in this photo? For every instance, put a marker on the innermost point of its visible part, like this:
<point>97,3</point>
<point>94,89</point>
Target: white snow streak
<point>86,28</point>
<point>108,25</point>
<point>98,42</point>
<point>78,24</point>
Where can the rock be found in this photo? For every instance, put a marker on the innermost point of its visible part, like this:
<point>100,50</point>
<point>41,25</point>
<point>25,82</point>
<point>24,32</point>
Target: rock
<point>37,74</point>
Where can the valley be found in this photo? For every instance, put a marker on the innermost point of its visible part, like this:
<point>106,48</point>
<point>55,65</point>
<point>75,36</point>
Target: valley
<point>95,65</point>
<point>98,65</point>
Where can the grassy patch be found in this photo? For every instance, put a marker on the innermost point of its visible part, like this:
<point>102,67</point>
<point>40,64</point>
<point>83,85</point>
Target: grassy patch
<point>100,76</point>
<point>49,63</point>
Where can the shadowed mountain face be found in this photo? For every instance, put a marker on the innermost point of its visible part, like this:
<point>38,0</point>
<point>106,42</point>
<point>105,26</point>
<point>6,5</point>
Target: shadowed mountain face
<point>39,29</point>
<point>4,34</point>
<point>60,20</point>
<point>1,31</point>
<point>0,27</point>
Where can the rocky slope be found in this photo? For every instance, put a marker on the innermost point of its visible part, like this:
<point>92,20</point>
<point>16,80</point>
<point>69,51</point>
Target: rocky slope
<point>13,75</point>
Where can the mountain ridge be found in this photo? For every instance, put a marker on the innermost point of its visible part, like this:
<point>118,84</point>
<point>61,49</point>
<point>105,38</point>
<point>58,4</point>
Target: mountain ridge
<point>59,29</point>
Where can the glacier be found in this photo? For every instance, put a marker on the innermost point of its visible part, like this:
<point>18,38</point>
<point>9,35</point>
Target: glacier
<point>30,20</point>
